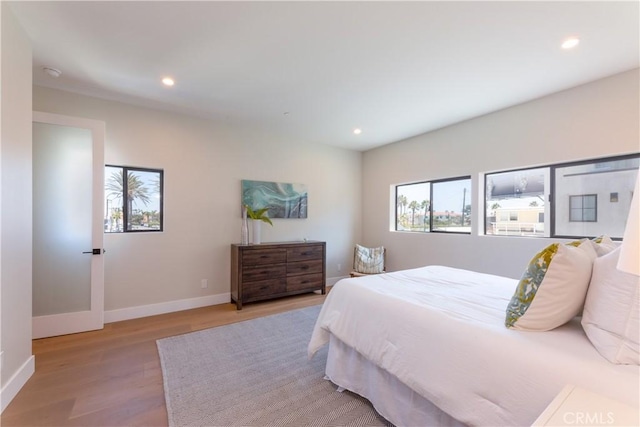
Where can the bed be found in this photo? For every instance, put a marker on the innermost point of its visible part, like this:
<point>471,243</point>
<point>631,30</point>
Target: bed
<point>428,346</point>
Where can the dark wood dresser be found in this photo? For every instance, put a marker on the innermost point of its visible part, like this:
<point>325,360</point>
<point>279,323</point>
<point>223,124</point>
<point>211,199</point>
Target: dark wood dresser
<point>272,270</point>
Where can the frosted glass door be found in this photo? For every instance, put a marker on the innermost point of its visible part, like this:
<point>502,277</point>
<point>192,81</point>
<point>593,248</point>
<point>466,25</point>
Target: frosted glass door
<point>62,204</point>
<point>64,224</point>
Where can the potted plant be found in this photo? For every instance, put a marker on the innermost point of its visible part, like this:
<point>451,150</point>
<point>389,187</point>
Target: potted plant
<point>258,216</point>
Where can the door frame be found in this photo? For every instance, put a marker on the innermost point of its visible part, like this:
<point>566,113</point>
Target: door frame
<point>69,323</point>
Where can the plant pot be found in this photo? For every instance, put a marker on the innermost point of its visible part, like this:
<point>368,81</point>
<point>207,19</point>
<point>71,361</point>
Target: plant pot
<point>256,228</point>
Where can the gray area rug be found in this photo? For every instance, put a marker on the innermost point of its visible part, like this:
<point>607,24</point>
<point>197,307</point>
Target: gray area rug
<point>256,373</point>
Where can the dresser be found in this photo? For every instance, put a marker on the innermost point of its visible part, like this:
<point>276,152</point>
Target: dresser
<point>272,270</point>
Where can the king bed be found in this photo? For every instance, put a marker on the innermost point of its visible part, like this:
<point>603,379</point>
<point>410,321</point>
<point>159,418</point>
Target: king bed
<point>429,346</point>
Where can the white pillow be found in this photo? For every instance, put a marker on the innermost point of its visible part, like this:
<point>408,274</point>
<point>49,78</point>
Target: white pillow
<point>369,260</point>
<point>611,316</point>
<point>553,287</point>
<point>603,245</point>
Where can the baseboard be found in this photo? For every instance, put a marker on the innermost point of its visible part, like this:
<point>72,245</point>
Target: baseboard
<point>179,305</point>
<point>164,307</point>
<point>16,382</point>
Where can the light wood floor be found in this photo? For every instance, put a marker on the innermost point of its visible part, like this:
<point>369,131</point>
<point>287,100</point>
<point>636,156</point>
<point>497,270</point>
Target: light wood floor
<point>112,377</point>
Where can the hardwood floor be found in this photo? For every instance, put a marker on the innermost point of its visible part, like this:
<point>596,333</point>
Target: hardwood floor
<point>112,377</point>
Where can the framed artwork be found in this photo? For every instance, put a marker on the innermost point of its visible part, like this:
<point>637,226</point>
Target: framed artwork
<point>283,200</point>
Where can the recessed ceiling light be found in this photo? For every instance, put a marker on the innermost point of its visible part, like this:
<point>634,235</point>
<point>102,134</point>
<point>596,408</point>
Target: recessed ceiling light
<point>357,131</point>
<point>570,43</point>
<point>168,81</point>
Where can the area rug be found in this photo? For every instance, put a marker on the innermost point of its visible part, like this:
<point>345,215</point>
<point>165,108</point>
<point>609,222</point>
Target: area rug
<point>256,373</point>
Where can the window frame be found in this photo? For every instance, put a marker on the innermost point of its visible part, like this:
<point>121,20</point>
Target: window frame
<point>125,205</point>
<point>431,202</point>
<point>395,226</point>
<point>582,208</point>
<point>484,203</point>
<point>550,193</point>
<point>440,181</point>
<point>552,196</point>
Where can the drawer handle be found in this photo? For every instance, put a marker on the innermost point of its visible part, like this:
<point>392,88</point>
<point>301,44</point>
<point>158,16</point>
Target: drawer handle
<point>304,282</point>
<point>305,267</point>
<point>264,256</point>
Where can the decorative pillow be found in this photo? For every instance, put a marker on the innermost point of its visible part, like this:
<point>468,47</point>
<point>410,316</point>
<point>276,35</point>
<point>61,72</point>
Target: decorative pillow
<point>603,245</point>
<point>553,287</point>
<point>369,260</point>
<point>611,317</point>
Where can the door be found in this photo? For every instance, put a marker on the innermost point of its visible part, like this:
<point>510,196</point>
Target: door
<point>68,260</point>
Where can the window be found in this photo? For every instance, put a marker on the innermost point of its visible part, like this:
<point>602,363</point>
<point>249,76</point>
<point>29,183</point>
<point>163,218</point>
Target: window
<point>133,204</point>
<point>515,202</point>
<point>583,208</point>
<point>412,207</point>
<point>452,205</point>
<point>581,199</point>
<point>582,195</point>
<point>439,206</point>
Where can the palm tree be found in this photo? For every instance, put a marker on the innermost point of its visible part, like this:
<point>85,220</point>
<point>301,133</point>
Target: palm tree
<point>466,215</point>
<point>136,190</point>
<point>414,206</point>
<point>402,203</point>
<point>425,205</point>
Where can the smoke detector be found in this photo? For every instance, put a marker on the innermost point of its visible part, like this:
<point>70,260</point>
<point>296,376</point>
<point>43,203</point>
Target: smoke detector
<point>52,72</point>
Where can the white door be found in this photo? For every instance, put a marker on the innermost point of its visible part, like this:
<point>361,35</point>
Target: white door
<point>68,229</point>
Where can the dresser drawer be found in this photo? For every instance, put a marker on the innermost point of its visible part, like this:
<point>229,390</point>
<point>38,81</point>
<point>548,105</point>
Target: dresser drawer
<point>304,253</point>
<point>304,267</point>
<point>274,270</point>
<point>263,272</point>
<point>303,282</point>
<point>264,256</point>
<point>264,288</point>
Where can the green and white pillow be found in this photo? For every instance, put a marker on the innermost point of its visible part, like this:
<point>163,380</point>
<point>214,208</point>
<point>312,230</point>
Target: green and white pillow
<point>553,288</point>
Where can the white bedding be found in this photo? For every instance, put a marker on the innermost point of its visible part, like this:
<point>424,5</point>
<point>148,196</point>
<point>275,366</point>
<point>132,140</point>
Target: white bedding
<point>441,332</point>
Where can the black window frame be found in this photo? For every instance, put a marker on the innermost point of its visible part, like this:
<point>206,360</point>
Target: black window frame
<point>430,211</point>
<point>440,181</point>
<point>125,205</point>
<point>395,227</point>
<point>551,192</point>
<point>484,203</point>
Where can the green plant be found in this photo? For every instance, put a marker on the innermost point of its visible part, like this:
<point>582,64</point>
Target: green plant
<point>260,214</point>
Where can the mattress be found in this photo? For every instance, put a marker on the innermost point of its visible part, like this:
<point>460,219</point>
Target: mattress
<point>440,331</point>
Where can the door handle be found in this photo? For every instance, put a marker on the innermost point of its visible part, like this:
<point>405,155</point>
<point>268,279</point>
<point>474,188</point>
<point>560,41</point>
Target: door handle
<point>95,252</point>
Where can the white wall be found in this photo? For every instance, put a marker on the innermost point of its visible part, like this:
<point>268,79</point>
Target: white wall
<point>15,199</point>
<point>594,120</point>
<point>203,164</point>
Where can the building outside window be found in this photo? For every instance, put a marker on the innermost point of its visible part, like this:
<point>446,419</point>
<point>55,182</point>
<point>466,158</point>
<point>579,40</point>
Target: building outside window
<point>515,202</point>
<point>584,205</point>
<point>581,199</point>
<point>583,208</point>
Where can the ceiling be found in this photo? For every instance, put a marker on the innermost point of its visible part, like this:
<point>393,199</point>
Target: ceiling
<point>315,71</point>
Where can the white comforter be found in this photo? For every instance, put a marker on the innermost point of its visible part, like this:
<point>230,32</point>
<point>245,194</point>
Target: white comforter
<point>441,331</point>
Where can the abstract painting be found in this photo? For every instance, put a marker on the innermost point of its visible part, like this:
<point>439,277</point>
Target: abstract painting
<point>283,200</point>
